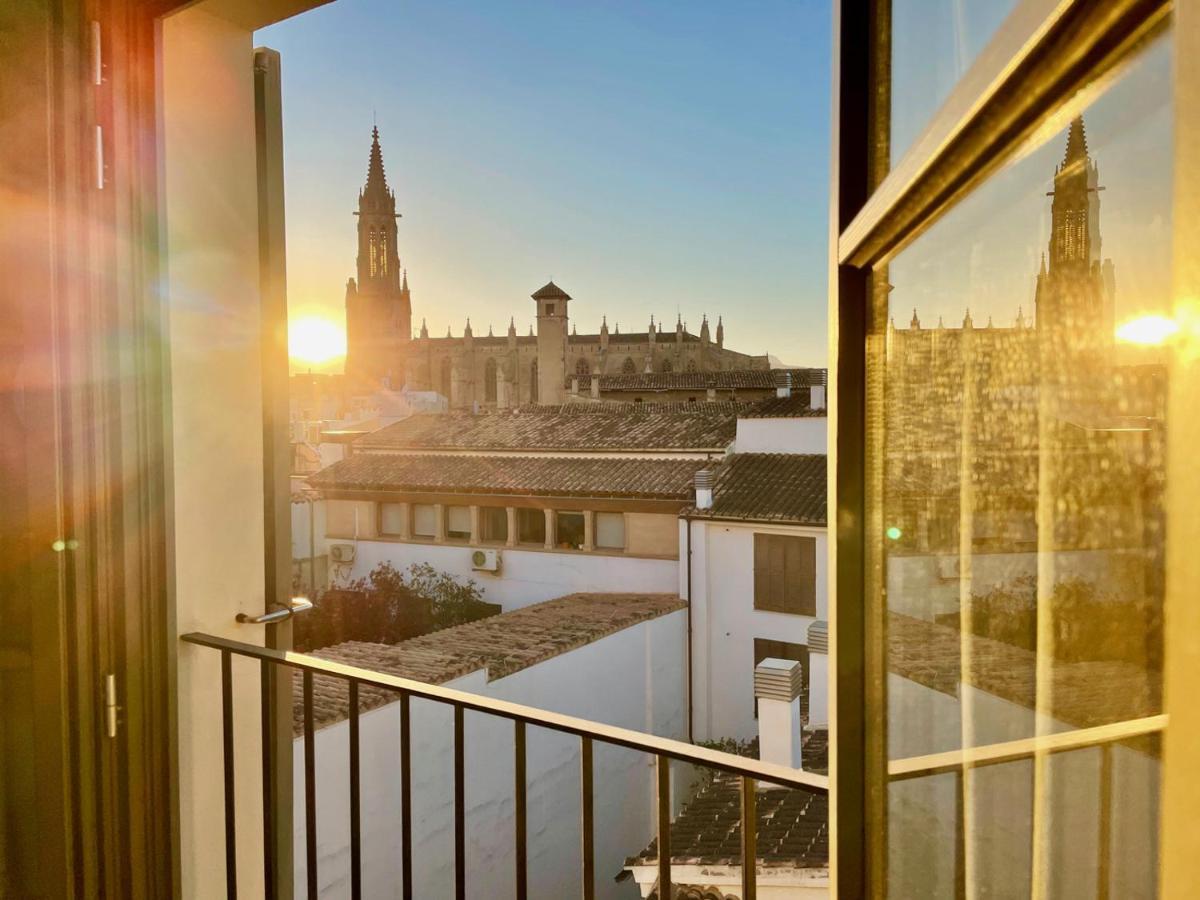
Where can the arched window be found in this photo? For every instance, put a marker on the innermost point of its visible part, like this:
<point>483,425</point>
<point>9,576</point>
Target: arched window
<point>445,379</point>
<point>533,383</point>
<point>582,368</point>
<point>628,366</point>
<point>667,367</point>
<point>691,365</point>
<point>489,381</point>
<point>373,252</point>
<point>383,251</point>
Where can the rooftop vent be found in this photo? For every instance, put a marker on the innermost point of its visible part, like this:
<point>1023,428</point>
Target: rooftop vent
<point>777,687</point>
<point>704,494</point>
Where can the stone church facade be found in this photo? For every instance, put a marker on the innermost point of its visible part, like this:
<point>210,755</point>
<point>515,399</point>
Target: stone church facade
<point>492,370</point>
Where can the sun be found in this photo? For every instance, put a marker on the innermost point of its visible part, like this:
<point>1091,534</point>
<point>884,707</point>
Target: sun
<point>316,340</point>
<point>1149,331</point>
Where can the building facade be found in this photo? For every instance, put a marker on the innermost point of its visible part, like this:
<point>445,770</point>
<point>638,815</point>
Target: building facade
<point>495,370</point>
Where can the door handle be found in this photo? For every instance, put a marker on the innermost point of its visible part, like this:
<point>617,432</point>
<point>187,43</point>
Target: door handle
<point>278,614</point>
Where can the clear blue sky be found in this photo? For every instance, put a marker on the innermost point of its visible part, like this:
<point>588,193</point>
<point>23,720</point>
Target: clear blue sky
<point>649,156</point>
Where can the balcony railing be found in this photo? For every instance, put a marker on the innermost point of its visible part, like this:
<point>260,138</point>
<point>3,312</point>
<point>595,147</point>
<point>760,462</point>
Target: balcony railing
<point>664,750</point>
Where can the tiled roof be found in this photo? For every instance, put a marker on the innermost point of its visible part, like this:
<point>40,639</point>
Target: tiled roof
<point>743,379</point>
<point>794,407</point>
<point>501,644</point>
<point>571,426</point>
<point>550,291</point>
<point>542,476</point>
<point>768,487</point>
<point>793,825</point>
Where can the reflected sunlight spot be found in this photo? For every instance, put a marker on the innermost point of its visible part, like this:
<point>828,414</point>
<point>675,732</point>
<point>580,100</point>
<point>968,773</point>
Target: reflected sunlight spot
<point>316,340</point>
<point>1147,330</point>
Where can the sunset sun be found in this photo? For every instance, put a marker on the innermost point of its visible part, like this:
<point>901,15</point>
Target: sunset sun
<point>316,340</point>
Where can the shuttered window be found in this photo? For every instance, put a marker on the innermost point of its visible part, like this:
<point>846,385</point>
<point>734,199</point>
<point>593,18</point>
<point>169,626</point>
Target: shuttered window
<point>785,574</point>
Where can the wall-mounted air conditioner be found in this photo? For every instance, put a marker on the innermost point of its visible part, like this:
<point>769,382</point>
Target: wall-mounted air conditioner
<point>341,553</point>
<point>485,560</point>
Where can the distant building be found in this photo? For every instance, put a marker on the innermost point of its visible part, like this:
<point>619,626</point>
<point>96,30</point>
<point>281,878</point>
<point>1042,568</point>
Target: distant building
<point>740,385</point>
<point>495,370</point>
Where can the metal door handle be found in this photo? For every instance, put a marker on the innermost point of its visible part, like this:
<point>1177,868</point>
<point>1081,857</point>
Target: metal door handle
<point>295,605</point>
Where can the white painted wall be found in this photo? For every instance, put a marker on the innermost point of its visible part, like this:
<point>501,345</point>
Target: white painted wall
<point>779,435</point>
<point>725,622</point>
<point>526,576</point>
<point>634,678</point>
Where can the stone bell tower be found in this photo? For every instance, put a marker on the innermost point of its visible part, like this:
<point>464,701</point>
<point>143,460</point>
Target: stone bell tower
<point>551,343</point>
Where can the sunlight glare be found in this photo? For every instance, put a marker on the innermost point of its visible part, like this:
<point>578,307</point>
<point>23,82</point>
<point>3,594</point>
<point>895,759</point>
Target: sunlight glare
<point>1150,331</point>
<point>316,340</point>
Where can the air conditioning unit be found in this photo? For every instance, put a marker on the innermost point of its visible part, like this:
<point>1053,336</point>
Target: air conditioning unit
<point>949,568</point>
<point>341,553</point>
<point>485,560</point>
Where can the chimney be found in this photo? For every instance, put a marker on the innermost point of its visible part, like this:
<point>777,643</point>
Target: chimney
<point>816,396</point>
<point>575,385</point>
<point>818,674</point>
<point>595,386</point>
<point>777,685</point>
<point>783,383</point>
<point>704,495</point>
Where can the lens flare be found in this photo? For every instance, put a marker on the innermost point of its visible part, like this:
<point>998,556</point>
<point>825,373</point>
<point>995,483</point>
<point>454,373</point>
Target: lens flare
<point>1149,331</point>
<point>316,340</point>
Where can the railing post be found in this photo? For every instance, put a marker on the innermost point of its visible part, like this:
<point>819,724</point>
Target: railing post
<point>664,827</point>
<point>520,825</point>
<point>227,739</point>
<point>355,800</point>
<point>460,809</point>
<point>310,789</point>
<point>406,879</point>
<point>749,839</point>
<point>270,889</point>
<point>586,798</point>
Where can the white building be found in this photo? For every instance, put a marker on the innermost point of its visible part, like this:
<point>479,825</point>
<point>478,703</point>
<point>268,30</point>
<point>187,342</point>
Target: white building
<point>554,656</point>
<point>754,547</point>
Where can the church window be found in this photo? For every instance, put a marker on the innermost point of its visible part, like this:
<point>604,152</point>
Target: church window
<point>533,383</point>
<point>628,366</point>
<point>667,367</point>
<point>691,365</point>
<point>372,252</point>
<point>582,368</point>
<point>383,251</point>
<point>489,381</point>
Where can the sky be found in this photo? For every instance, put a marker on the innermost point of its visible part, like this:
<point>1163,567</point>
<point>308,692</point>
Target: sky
<point>651,157</point>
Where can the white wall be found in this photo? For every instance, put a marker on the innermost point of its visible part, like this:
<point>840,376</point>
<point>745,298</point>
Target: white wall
<point>526,576</point>
<point>780,435</point>
<point>634,679</point>
<point>725,622</point>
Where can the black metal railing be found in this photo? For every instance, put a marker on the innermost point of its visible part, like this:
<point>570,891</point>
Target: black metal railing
<point>665,750</point>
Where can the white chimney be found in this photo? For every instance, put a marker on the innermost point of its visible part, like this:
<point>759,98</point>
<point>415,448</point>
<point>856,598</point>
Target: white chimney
<point>595,385</point>
<point>783,383</point>
<point>816,396</point>
<point>575,384</point>
<point>818,674</point>
<point>777,686</point>
<point>704,495</point>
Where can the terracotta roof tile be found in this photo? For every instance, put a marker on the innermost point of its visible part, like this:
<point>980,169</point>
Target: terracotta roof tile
<point>794,407</point>
<point>501,644</point>
<point>653,479</point>
<point>768,487</point>
<point>572,426</point>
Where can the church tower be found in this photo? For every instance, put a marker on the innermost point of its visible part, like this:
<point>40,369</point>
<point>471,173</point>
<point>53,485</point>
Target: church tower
<point>1075,288</point>
<point>378,306</point>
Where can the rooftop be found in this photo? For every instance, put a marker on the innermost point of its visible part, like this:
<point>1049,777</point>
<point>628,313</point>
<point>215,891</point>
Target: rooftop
<point>795,406</point>
<point>793,825</point>
<point>501,645</point>
<point>694,427</point>
<point>542,476</point>
<point>768,487</point>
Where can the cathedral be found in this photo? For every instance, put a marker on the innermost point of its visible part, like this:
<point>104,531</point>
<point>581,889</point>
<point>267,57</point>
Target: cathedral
<point>499,371</point>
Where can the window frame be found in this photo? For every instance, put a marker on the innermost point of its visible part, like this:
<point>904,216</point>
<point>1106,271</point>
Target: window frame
<point>1038,60</point>
<point>484,512</point>
<point>455,538</point>
<point>596,532</point>
<point>804,583</point>
<point>412,522</point>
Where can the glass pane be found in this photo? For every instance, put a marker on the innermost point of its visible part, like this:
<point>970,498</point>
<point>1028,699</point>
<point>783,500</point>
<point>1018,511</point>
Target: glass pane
<point>1024,359</point>
<point>391,518</point>
<point>531,526</point>
<point>494,522</point>
<point>568,530</point>
<point>458,523</point>
<point>424,520</point>
<point>610,530</point>
<point>934,42</point>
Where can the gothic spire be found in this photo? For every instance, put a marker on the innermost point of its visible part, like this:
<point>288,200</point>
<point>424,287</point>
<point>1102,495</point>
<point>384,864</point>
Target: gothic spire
<point>1076,143</point>
<point>376,180</point>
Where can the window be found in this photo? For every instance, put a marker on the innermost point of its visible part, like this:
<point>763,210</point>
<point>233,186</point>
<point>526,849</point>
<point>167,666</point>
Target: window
<point>549,309</point>
<point>568,530</point>
<point>691,365</point>
<point>582,368</point>
<point>391,518</point>
<point>785,574</point>
<point>610,530</point>
<point>493,524</point>
<point>383,251</point>
<point>373,252</point>
<point>667,367</point>
<point>489,381</point>
<point>531,526</point>
<point>458,523</point>
<point>628,367</point>
<point>765,648</point>
<point>424,520</point>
